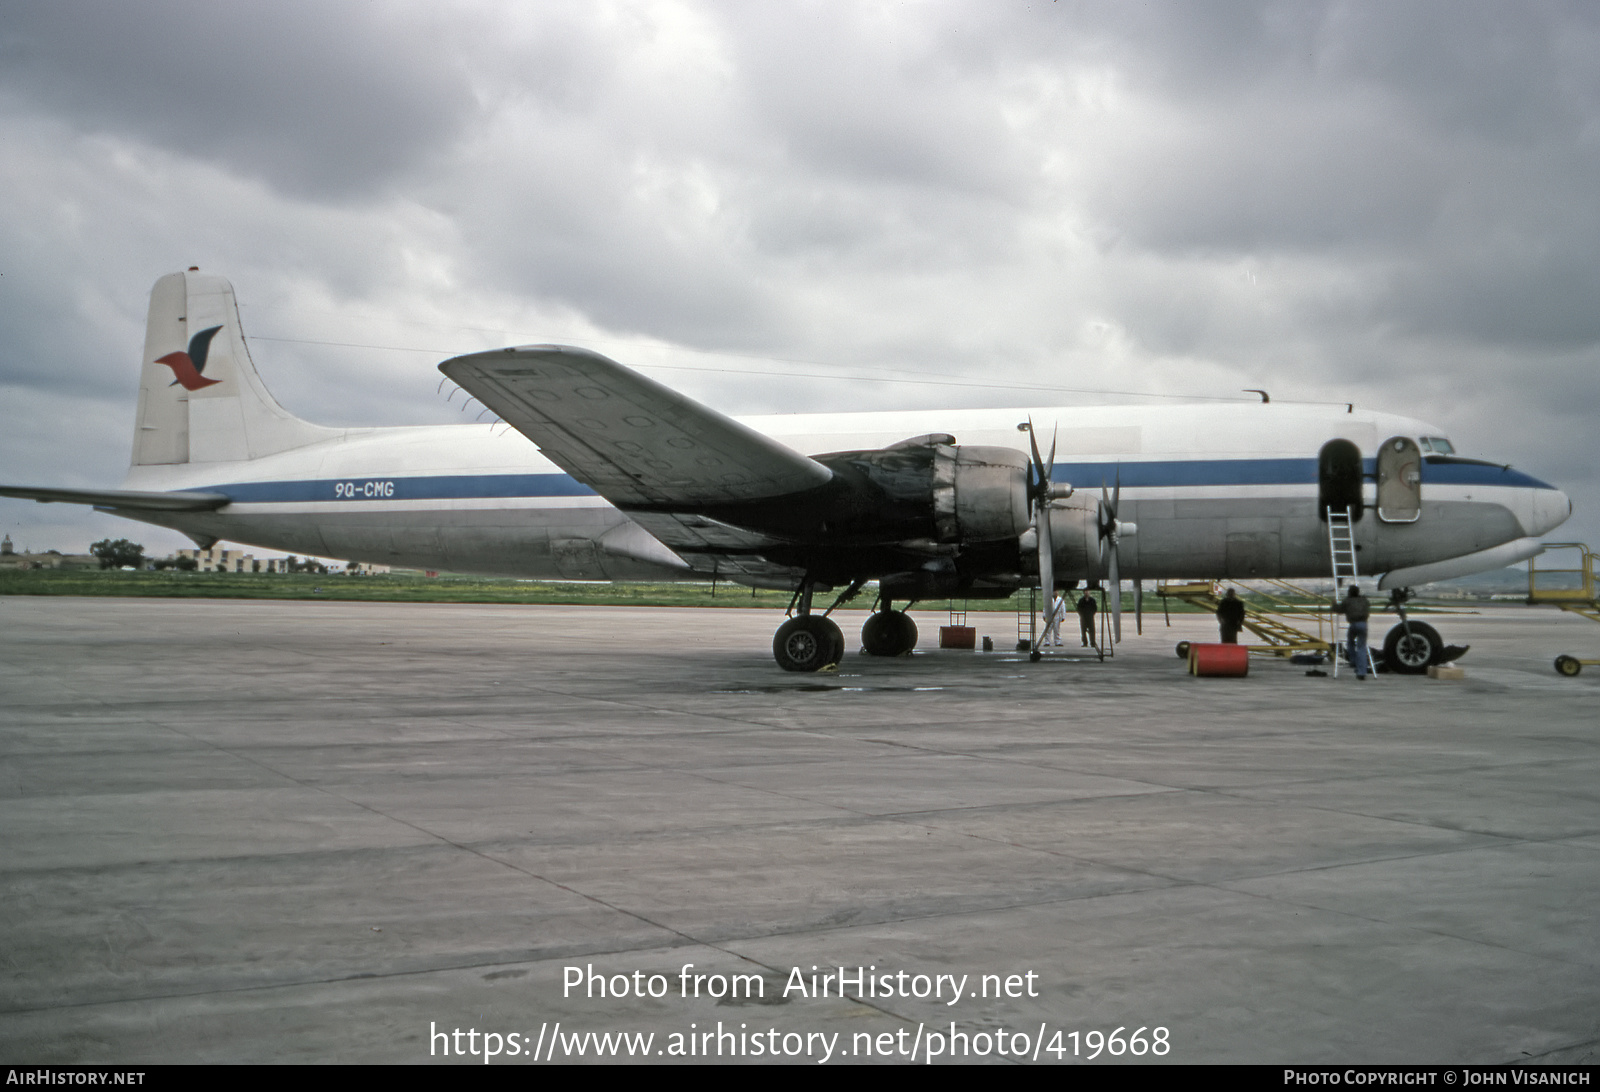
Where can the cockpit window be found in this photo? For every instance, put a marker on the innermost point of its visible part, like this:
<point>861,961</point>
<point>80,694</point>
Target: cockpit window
<point>1438,445</point>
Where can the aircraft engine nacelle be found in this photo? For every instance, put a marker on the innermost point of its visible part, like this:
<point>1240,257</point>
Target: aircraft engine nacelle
<point>1075,531</point>
<point>980,494</point>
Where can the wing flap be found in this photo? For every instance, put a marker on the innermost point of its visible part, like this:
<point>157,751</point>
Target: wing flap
<point>630,439</point>
<point>711,546</point>
<point>131,500</point>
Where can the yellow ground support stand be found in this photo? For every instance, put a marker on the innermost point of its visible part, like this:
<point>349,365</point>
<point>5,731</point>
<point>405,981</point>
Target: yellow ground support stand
<point>1282,624</point>
<point>1572,588</point>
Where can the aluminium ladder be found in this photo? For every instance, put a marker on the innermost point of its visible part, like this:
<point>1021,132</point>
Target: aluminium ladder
<point>1342,552</point>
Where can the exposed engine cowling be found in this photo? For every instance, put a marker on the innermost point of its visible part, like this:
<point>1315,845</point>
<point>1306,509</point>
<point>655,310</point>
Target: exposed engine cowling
<point>930,491</point>
<point>980,494</point>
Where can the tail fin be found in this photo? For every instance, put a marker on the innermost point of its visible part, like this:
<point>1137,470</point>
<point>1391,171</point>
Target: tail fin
<point>200,399</point>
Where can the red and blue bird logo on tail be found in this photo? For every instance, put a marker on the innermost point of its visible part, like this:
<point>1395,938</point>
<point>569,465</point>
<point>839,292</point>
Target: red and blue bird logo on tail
<point>188,366</point>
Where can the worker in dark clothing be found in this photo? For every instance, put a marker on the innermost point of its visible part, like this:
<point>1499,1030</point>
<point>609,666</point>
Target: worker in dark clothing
<point>1087,609</point>
<point>1230,617</point>
<point>1356,609</point>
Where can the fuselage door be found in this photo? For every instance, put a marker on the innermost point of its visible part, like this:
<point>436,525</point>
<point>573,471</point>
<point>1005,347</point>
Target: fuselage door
<point>1339,478</point>
<point>1399,480</point>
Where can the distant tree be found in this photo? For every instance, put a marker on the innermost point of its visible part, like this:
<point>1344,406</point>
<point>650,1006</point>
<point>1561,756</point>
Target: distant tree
<point>115,554</point>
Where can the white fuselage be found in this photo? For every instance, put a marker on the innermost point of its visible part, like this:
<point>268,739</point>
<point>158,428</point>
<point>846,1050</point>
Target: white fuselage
<point>1221,491</point>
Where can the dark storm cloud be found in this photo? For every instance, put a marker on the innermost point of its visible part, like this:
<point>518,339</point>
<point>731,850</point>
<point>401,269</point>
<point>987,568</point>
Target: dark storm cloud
<point>318,99</point>
<point>840,92</point>
<point>1391,203</point>
<point>1453,149</point>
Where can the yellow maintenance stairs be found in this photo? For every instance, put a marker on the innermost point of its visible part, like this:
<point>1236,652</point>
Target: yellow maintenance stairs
<point>1570,587</point>
<point>1279,613</point>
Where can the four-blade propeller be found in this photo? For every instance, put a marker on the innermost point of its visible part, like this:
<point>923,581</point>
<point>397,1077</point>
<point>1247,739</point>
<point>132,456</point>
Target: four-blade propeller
<point>1112,531</point>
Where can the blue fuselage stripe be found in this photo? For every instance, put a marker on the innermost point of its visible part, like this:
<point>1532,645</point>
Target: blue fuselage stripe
<point>431,487</point>
<point>1172,473</point>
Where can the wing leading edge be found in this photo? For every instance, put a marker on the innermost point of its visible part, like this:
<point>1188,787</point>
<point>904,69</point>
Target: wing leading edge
<point>640,445</point>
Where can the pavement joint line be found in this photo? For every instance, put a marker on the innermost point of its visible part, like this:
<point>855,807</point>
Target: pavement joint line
<point>439,837</point>
<point>1429,824</point>
<point>1592,1044</point>
<point>597,900</point>
<point>1409,926</point>
<point>683,941</point>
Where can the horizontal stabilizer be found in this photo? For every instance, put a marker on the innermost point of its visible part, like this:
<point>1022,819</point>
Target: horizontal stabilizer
<point>132,500</point>
<point>630,439</point>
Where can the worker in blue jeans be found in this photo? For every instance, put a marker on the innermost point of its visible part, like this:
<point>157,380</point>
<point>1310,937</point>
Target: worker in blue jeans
<point>1356,609</point>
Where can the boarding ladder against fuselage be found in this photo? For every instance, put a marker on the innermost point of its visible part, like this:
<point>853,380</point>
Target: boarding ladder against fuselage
<point>1342,552</point>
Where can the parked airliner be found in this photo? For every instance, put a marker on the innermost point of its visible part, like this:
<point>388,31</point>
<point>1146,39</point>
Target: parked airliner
<point>625,479</point>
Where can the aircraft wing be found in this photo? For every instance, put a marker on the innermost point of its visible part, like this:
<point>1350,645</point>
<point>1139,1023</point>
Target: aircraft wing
<point>630,439</point>
<point>127,499</point>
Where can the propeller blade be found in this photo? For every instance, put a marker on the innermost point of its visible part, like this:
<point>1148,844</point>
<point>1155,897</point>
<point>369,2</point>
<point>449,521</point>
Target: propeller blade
<point>1116,597</point>
<point>1047,573</point>
<point>1039,502</point>
<point>1040,475</point>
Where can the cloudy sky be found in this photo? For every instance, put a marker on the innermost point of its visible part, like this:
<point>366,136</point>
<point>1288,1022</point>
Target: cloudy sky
<point>819,206</point>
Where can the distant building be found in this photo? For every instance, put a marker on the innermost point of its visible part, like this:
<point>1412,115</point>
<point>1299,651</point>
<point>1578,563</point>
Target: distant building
<point>50,559</point>
<point>218,560</point>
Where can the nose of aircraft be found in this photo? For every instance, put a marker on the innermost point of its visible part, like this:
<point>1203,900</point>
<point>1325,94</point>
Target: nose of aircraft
<point>1548,509</point>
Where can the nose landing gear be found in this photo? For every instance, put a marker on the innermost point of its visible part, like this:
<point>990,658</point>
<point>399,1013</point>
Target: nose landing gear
<point>1410,647</point>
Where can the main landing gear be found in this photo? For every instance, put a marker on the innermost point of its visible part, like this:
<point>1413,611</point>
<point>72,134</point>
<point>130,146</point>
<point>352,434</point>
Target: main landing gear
<point>889,633</point>
<point>813,642</point>
<point>810,642</point>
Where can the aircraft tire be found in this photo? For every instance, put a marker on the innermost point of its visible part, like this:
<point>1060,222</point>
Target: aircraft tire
<point>838,641</point>
<point>808,642</point>
<point>1412,654</point>
<point>1568,665</point>
<point>1183,650</point>
<point>889,633</point>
